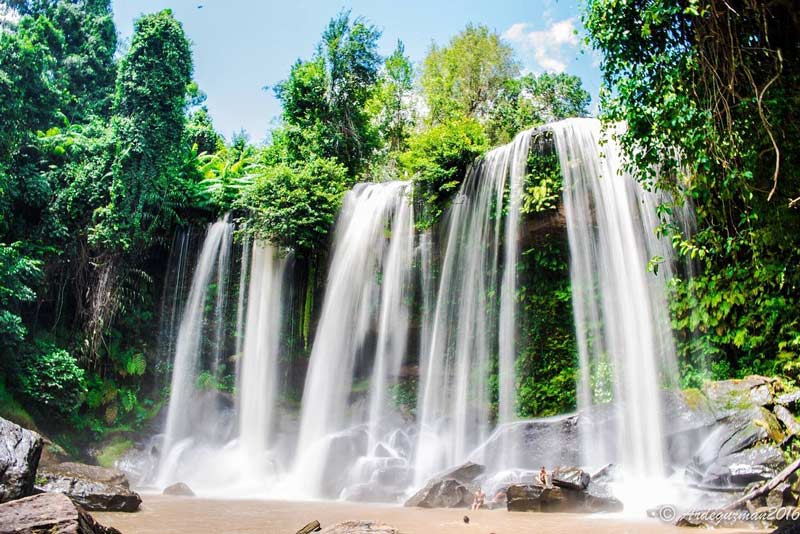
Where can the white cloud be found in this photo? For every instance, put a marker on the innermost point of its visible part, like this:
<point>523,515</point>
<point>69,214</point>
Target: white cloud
<point>548,47</point>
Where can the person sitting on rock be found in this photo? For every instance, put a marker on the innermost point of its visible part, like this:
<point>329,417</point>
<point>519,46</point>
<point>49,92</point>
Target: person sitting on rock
<point>543,477</point>
<point>480,496</point>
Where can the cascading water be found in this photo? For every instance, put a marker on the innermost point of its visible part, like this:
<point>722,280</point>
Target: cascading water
<point>351,441</point>
<point>368,279</point>
<point>453,404</point>
<point>622,322</point>
<point>202,445</point>
<point>186,363</point>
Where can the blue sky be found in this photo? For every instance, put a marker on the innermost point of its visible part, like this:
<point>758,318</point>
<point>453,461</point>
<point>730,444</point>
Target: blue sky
<point>241,46</point>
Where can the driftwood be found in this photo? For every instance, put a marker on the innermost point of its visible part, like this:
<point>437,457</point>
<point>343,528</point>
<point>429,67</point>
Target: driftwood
<point>314,526</point>
<point>764,488</point>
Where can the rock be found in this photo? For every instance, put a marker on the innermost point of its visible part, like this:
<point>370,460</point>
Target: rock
<point>789,399</point>
<point>447,493</point>
<point>180,489</point>
<point>736,471</point>
<point>360,527</point>
<point>571,478</point>
<point>20,450</point>
<point>52,453</point>
<point>726,395</point>
<point>92,487</point>
<point>46,513</point>
<point>535,498</point>
<point>787,418</point>
<point>781,495</point>
<point>534,443</point>
<point>465,473</point>
<point>314,526</point>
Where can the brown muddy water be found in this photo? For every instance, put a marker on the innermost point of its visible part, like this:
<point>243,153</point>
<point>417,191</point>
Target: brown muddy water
<point>186,515</point>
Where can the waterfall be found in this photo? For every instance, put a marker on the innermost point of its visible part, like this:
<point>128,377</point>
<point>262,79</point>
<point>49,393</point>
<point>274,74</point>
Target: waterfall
<point>258,369</point>
<point>172,297</point>
<point>364,313</point>
<point>453,405</point>
<point>202,444</point>
<point>621,315</point>
<point>447,300</point>
<point>186,363</point>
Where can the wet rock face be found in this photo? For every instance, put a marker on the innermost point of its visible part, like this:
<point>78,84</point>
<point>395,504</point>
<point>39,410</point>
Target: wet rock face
<point>48,512</point>
<point>92,487</point>
<point>536,498</point>
<point>20,450</point>
<point>532,444</point>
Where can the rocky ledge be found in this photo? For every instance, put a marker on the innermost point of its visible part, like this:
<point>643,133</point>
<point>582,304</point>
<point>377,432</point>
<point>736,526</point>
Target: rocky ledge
<point>48,512</point>
<point>93,487</point>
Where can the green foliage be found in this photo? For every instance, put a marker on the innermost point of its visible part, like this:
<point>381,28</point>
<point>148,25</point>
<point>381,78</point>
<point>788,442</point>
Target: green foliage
<point>17,274</point>
<point>294,205</point>
<point>149,122</point>
<point>110,453</point>
<point>438,159</point>
<point>466,77</point>
<point>543,183</point>
<point>50,377</point>
<point>710,98</point>
<point>533,100</point>
<point>391,103</point>
<point>324,99</point>
<point>227,173</point>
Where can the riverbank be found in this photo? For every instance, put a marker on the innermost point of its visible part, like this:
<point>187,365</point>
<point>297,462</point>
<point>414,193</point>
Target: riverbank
<point>180,515</point>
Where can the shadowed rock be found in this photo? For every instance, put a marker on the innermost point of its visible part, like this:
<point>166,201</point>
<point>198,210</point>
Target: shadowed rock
<point>536,498</point>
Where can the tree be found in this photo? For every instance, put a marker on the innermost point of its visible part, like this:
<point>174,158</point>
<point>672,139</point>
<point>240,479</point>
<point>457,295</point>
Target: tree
<point>466,77</point>
<point>294,205</point>
<point>438,159</point>
<point>324,99</point>
<point>149,122</point>
<point>533,100</point>
<point>391,106</point>
<point>709,95</point>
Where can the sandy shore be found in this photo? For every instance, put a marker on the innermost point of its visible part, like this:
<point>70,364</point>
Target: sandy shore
<point>181,515</point>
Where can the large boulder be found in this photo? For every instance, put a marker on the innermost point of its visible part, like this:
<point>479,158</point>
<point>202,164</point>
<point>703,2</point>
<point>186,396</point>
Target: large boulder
<point>736,452</point>
<point>443,493</point>
<point>20,450</point>
<point>572,478</point>
<point>533,443</point>
<point>465,473</point>
<point>537,498</point>
<point>360,527</point>
<point>93,487</point>
<point>48,512</point>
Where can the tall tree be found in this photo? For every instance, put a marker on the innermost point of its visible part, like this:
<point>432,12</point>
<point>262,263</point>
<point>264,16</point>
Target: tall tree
<point>465,77</point>
<point>391,105</point>
<point>149,121</point>
<point>324,99</point>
